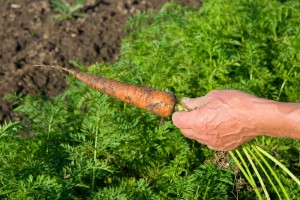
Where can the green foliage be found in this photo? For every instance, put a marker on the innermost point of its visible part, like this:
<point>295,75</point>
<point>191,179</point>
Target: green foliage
<point>68,11</point>
<point>223,45</point>
<point>85,145</point>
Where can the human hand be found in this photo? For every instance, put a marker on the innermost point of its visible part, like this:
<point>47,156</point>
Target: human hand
<point>221,120</point>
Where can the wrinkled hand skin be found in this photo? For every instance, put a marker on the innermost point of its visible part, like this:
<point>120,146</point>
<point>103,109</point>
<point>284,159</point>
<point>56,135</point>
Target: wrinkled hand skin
<point>225,119</point>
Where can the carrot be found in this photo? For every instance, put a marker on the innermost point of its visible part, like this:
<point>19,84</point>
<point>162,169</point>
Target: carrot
<point>155,101</point>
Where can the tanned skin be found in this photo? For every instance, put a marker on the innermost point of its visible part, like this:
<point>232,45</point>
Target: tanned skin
<point>225,119</point>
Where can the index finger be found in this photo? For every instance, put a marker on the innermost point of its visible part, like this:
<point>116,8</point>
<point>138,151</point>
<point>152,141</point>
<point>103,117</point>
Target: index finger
<point>184,120</point>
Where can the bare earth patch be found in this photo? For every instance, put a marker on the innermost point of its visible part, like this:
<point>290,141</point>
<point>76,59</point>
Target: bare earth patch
<point>31,34</point>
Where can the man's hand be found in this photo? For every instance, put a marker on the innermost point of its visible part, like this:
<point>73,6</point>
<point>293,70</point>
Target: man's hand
<point>221,120</point>
<point>226,119</point>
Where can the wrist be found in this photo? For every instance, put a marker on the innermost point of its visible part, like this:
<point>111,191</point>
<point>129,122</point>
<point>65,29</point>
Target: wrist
<point>277,119</point>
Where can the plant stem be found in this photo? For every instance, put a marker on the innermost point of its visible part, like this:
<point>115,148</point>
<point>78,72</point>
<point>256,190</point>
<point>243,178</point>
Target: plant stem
<point>279,164</point>
<point>265,172</point>
<point>284,82</point>
<point>251,182</point>
<point>95,156</point>
<point>257,173</point>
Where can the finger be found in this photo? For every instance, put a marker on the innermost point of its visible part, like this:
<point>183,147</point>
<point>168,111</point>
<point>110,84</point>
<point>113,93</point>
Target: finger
<point>216,148</point>
<point>226,146</point>
<point>231,143</point>
<point>189,133</point>
<point>193,103</point>
<point>201,141</point>
<point>184,120</point>
<point>195,135</point>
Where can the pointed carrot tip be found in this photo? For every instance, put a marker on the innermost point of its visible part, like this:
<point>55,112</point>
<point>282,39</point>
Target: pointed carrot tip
<point>56,67</point>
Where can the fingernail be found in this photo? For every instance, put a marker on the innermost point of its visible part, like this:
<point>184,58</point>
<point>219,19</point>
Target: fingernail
<point>185,99</point>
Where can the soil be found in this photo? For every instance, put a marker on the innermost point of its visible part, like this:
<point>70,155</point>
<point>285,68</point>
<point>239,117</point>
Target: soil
<point>31,33</point>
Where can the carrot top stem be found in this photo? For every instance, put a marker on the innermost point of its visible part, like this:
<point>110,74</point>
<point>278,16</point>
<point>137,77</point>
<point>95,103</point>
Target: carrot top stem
<point>181,107</point>
<point>56,67</point>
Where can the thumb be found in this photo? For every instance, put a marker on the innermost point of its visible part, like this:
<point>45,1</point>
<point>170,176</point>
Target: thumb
<point>193,103</point>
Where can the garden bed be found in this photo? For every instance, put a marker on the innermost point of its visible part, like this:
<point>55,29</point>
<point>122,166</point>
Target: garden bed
<point>32,34</point>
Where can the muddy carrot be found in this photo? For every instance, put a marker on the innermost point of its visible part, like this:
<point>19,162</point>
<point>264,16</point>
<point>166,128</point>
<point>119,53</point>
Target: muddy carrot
<point>155,101</point>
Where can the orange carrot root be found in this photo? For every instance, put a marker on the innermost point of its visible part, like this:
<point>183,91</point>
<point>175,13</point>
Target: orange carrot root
<point>155,101</point>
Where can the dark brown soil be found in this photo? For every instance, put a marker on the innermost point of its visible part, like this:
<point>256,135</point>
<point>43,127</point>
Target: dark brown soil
<point>30,33</point>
